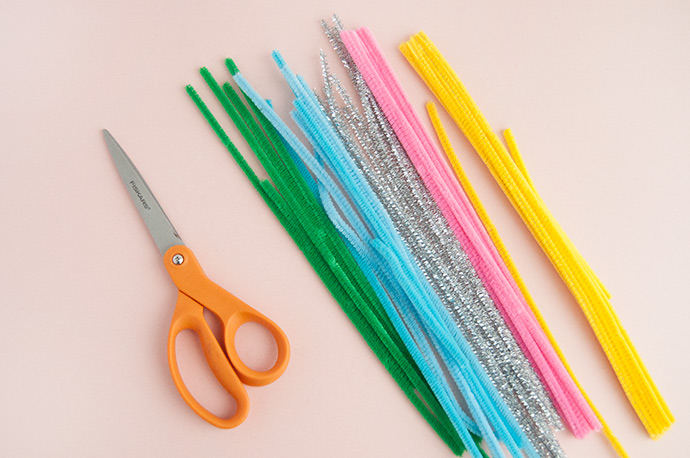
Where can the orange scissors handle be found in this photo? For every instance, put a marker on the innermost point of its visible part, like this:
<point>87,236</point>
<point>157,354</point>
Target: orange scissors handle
<point>190,315</point>
<point>197,292</point>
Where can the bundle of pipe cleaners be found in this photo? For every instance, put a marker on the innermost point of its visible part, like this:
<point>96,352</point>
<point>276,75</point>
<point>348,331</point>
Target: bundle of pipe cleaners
<point>392,226</point>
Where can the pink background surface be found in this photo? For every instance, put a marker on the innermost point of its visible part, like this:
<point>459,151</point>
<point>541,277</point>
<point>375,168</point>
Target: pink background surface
<point>596,93</point>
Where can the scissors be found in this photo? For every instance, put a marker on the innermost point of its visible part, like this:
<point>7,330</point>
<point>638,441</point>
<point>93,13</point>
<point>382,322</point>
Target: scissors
<point>196,293</point>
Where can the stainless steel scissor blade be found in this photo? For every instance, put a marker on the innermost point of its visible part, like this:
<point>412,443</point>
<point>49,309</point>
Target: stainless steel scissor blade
<point>158,224</point>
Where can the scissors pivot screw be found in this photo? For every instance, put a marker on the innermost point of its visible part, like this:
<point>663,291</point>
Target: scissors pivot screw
<point>178,259</point>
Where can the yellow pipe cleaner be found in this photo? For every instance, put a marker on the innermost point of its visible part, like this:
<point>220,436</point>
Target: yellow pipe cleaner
<point>509,171</point>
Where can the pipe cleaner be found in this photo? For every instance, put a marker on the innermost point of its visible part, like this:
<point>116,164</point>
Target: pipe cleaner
<point>486,408</point>
<point>289,194</point>
<point>508,169</point>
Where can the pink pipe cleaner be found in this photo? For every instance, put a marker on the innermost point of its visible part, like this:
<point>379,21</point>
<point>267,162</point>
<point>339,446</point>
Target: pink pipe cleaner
<point>469,230</point>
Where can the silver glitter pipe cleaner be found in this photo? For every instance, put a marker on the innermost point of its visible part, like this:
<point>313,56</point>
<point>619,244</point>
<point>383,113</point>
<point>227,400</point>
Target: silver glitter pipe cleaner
<point>372,143</point>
